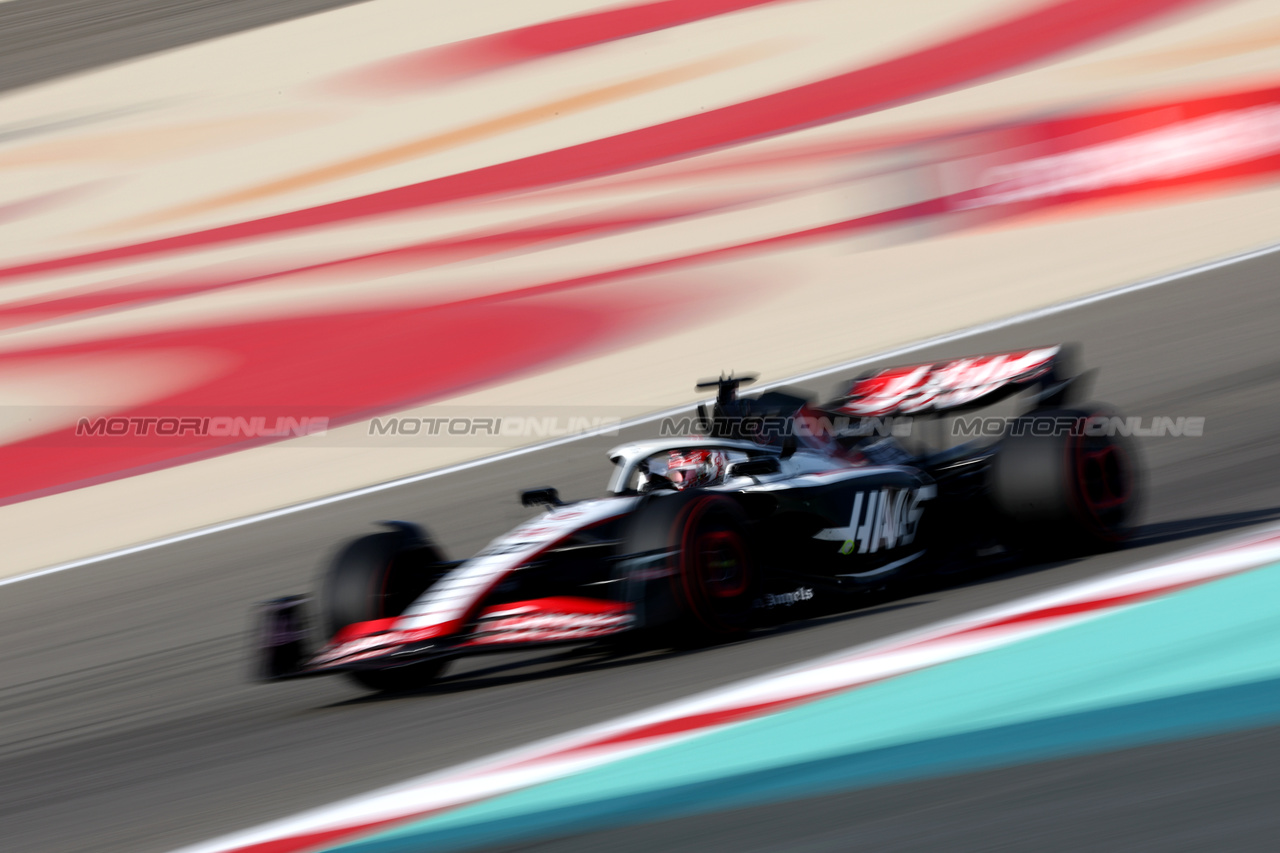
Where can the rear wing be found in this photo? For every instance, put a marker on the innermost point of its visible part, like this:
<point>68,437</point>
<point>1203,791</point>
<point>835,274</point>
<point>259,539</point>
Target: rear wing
<point>962,383</point>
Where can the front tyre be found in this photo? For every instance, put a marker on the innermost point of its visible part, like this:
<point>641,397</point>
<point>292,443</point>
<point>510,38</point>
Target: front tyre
<point>378,577</point>
<point>712,570</point>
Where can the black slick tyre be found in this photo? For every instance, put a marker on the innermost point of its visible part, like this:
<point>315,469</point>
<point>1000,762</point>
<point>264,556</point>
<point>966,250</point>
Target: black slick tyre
<point>1066,486</point>
<point>378,577</point>
<point>712,571</point>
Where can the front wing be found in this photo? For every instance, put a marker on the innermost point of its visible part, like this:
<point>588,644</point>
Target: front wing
<point>285,639</point>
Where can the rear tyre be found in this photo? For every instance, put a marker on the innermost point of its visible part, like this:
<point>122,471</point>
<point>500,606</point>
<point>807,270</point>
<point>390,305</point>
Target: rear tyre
<point>1067,490</point>
<point>378,577</point>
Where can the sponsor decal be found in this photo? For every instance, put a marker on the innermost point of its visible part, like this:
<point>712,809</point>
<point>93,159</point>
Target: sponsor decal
<point>783,599</point>
<point>546,627</point>
<point>354,647</point>
<point>882,519</point>
<point>925,387</point>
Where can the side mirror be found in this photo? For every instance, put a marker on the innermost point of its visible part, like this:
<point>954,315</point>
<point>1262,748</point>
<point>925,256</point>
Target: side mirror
<point>755,467</point>
<point>545,495</point>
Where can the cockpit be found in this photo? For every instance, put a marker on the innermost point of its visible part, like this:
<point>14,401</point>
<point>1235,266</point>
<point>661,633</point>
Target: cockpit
<point>685,468</point>
<point>670,465</point>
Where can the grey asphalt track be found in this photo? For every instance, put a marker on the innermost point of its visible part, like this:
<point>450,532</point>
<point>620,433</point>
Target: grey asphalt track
<point>128,721</point>
<point>43,39</point>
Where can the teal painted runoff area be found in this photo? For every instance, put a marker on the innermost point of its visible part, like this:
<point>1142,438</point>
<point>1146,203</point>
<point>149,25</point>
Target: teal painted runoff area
<point>1202,660</point>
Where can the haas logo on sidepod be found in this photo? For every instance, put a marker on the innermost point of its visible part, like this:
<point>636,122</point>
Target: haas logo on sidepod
<point>886,518</point>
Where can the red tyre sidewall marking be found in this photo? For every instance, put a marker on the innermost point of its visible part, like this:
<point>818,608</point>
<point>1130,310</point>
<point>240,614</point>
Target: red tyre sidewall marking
<point>693,588</point>
<point>1078,460</point>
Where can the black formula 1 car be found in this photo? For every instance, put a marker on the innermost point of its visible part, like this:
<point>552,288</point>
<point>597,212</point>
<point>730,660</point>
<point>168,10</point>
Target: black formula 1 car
<point>778,507</point>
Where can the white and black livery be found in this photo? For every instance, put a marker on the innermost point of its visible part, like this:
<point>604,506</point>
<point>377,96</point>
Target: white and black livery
<point>781,507</point>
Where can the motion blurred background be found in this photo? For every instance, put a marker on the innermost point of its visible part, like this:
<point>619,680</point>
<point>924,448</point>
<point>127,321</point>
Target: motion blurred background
<point>280,220</point>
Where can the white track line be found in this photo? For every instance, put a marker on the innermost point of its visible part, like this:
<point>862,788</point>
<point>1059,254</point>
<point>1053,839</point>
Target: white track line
<point>982,328</point>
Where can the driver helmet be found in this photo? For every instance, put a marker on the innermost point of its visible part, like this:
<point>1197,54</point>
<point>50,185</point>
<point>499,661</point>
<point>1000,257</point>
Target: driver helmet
<point>691,468</point>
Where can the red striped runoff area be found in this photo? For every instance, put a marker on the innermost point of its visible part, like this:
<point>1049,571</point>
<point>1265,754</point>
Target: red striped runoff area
<point>698,715</point>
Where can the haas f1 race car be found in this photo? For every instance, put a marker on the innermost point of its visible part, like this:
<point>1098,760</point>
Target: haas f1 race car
<point>780,508</point>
